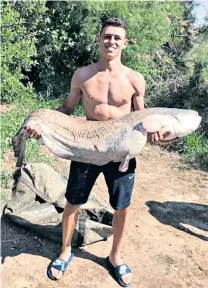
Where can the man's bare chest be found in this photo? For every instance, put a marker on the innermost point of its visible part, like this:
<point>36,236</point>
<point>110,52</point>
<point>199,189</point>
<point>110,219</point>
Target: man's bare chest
<point>112,90</point>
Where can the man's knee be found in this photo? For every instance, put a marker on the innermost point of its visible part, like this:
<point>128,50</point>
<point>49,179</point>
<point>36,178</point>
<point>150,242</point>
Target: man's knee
<point>70,208</point>
<point>122,211</point>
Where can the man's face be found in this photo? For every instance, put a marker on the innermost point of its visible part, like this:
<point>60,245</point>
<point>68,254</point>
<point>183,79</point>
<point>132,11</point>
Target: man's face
<point>112,41</point>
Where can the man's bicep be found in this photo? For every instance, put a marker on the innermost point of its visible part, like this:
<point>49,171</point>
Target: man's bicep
<point>138,102</point>
<point>73,96</point>
<point>138,97</point>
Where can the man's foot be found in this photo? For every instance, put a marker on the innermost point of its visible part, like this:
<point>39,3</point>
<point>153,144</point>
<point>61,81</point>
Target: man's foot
<point>121,269</point>
<point>57,267</point>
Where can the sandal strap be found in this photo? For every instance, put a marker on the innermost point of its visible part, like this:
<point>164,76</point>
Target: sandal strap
<point>59,264</point>
<point>122,270</point>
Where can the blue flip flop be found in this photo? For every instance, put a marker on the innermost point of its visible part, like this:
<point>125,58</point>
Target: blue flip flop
<point>60,265</point>
<point>120,271</point>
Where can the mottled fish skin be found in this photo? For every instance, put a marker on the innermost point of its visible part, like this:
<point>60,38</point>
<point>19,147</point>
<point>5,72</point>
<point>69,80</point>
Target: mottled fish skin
<point>99,142</point>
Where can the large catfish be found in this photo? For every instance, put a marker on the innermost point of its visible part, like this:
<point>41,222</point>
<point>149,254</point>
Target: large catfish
<point>99,142</point>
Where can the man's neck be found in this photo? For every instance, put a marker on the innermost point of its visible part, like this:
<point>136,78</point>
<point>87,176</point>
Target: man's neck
<point>111,65</point>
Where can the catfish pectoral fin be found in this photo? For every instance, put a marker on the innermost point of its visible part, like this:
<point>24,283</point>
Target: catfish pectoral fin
<point>123,167</point>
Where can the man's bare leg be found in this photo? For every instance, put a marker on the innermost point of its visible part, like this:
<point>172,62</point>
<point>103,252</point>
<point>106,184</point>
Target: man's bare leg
<point>119,229</point>
<point>69,221</point>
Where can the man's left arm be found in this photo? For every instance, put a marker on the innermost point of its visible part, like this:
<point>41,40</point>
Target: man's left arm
<point>138,103</point>
<point>139,85</point>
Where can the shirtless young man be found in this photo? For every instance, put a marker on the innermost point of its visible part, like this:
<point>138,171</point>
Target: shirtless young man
<point>108,89</point>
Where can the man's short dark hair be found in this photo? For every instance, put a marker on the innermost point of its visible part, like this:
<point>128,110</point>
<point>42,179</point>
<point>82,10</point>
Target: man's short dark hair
<point>114,22</point>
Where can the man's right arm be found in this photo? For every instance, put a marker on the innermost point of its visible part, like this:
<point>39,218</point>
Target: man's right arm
<point>73,97</point>
<point>67,108</point>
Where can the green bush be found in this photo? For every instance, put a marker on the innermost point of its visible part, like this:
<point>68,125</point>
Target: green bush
<point>194,149</point>
<point>70,30</point>
<point>12,120</point>
<point>46,41</point>
<point>18,51</point>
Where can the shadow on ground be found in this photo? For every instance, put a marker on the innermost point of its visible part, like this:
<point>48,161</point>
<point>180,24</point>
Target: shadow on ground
<point>17,240</point>
<point>178,214</point>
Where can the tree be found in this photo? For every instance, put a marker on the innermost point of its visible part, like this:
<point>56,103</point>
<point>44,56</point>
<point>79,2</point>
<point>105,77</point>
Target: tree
<point>68,38</point>
<point>18,52</point>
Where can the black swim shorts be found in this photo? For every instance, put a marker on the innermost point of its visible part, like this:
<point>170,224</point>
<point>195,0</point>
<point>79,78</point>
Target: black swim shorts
<point>83,176</point>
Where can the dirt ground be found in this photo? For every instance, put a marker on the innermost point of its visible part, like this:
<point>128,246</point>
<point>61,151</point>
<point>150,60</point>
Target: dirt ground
<point>166,245</point>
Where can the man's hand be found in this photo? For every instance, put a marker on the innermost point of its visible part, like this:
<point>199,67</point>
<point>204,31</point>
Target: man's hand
<point>154,137</point>
<point>34,131</point>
